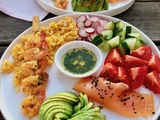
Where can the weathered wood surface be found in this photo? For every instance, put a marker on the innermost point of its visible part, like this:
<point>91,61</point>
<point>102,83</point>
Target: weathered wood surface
<point>144,14</point>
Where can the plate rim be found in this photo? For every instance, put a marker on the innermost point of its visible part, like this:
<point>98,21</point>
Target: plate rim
<point>4,111</point>
<point>113,12</point>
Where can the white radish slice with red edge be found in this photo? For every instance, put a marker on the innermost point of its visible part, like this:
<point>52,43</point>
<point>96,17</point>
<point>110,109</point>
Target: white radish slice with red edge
<point>79,38</point>
<point>93,35</point>
<point>94,19</point>
<point>88,23</point>
<point>100,29</point>
<point>90,30</point>
<point>103,22</point>
<point>80,24</point>
<point>87,16</point>
<point>81,18</point>
<point>95,24</point>
<point>89,38</point>
<point>82,32</point>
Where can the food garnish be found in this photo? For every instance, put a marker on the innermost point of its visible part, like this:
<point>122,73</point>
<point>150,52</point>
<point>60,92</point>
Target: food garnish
<point>69,106</point>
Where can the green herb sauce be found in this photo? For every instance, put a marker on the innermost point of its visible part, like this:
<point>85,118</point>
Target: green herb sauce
<point>79,60</point>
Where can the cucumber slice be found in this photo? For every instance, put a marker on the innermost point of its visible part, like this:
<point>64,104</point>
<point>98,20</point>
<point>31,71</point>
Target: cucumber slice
<point>124,48</point>
<point>140,43</point>
<point>120,47</point>
<point>114,42</point>
<point>117,31</point>
<point>104,46</point>
<point>110,25</point>
<point>107,34</point>
<point>118,24</point>
<point>131,42</point>
<point>123,32</point>
<point>137,35</point>
<point>97,40</point>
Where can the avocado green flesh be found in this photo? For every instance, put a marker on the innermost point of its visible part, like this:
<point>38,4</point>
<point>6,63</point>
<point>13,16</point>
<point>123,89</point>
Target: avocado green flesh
<point>89,5</point>
<point>68,106</point>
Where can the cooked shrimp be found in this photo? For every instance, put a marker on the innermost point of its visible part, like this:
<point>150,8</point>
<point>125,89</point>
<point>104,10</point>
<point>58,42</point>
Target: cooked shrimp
<point>30,105</point>
<point>29,68</point>
<point>61,3</point>
<point>38,51</point>
<point>30,84</point>
<point>42,66</point>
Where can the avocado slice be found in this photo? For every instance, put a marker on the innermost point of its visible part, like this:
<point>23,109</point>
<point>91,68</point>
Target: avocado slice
<point>74,4</point>
<point>66,94</point>
<point>51,113</point>
<point>86,108</point>
<point>105,5</point>
<point>99,5</point>
<point>88,3</point>
<point>94,5</point>
<point>61,116</point>
<point>82,9</point>
<point>54,105</point>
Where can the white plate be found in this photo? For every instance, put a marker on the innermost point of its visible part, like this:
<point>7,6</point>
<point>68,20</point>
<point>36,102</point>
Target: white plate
<point>114,9</point>
<point>10,101</point>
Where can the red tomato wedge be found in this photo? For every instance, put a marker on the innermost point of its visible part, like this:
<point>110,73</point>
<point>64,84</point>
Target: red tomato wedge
<point>123,75</point>
<point>137,76</point>
<point>152,81</point>
<point>144,52</point>
<point>115,57</point>
<point>109,72</point>
<point>154,63</point>
<point>114,73</point>
<point>116,97</point>
<point>131,61</point>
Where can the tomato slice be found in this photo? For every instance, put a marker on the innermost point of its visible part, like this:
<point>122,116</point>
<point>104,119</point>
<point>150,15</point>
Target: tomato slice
<point>154,63</point>
<point>123,76</point>
<point>109,72</point>
<point>152,81</point>
<point>131,61</point>
<point>114,73</point>
<point>143,52</point>
<point>137,76</point>
<point>115,57</point>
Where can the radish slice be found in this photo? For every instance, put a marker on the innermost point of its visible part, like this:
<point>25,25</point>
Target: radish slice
<point>103,22</point>
<point>81,18</point>
<point>95,24</point>
<point>79,38</point>
<point>82,32</point>
<point>88,23</point>
<point>94,19</point>
<point>90,30</point>
<point>87,16</point>
<point>100,29</point>
<point>80,24</point>
<point>89,38</point>
<point>93,35</point>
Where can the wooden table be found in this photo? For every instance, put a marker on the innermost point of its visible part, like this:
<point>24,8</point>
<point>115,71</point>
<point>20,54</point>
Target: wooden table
<point>144,14</point>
